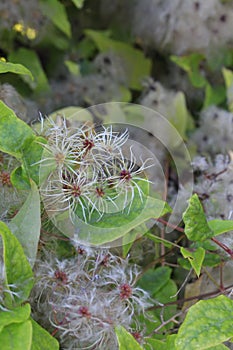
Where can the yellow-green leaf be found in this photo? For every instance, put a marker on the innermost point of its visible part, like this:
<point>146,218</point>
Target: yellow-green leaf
<point>31,60</point>
<point>73,67</point>
<point>125,340</point>
<point>78,3</point>
<point>8,67</point>
<point>196,226</point>
<point>15,135</point>
<point>228,77</point>
<point>208,323</point>
<point>191,64</point>
<point>195,258</point>
<point>16,336</point>
<point>214,95</point>
<point>17,315</point>
<point>18,270</point>
<point>56,12</point>
<point>220,226</point>
<point>26,224</point>
<point>113,227</point>
<point>41,339</point>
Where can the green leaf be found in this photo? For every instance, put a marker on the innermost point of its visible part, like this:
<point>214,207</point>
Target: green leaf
<point>31,60</point>
<point>180,114</point>
<point>162,291</point>
<point>196,226</point>
<point>16,336</point>
<point>221,58</point>
<point>125,94</point>
<point>184,263</point>
<point>32,155</point>
<point>191,64</point>
<point>214,95</point>
<point>164,295</point>
<point>72,67</point>
<point>114,226</point>
<point>86,49</point>
<point>8,67</point>
<point>195,258</point>
<point>154,280</point>
<point>220,226</point>
<point>207,323</point>
<point>18,270</point>
<point>19,179</point>
<point>149,323</point>
<point>41,339</point>
<point>137,66</point>
<point>78,3</point>
<point>55,40</point>
<point>171,342</point>
<point>155,344</point>
<point>26,224</point>
<point>228,77</point>
<point>212,260</point>
<point>17,315</point>
<point>56,12</point>
<point>15,135</point>
<point>207,245</point>
<point>125,340</point>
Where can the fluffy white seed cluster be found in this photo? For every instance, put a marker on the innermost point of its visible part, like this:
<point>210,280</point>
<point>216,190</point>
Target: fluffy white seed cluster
<point>111,65</point>
<point>157,97</point>
<point>215,132</point>
<point>89,174</point>
<point>106,82</point>
<point>214,186</point>
<point>183,26</point>
<point>170,103</point>
<point>81,300</point>
<point>85,90</point>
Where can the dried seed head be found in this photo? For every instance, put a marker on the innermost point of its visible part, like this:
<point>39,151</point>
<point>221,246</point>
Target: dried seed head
<point>137,336</point>
<point>61,276</point>
<point>125,291</point>
<point>88,144</point>
<point>84,312</point>
<point>5,179</point>
<point>125,175</point>
<point>99,191</point>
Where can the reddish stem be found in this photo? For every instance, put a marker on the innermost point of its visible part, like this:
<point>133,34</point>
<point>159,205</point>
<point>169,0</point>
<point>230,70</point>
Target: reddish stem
<point>177,228</point>
<point>54,332</point>
<point>196,297</point>
<point>180,229</point>
<point>223,246</point>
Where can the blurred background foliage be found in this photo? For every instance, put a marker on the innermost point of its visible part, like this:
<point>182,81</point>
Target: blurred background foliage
<point>87,52</point>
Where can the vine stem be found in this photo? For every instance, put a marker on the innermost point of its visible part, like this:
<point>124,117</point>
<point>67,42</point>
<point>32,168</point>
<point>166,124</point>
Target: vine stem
<point>196,297</point>
<point>162,231</point>
<point>164,323</point>
<point>180,229</point>
<point>177,228</point>
<point>223,246</point>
